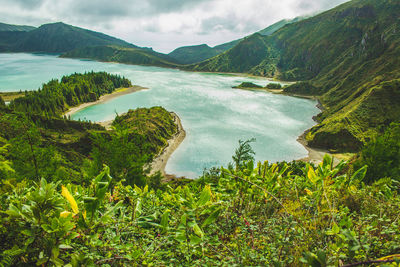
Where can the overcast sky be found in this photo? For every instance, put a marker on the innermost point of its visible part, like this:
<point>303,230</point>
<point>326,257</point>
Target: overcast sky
<point>163,24</point>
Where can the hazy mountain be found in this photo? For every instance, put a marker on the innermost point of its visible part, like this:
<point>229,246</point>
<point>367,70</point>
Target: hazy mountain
<point>15,28</point>
<point>55,38</point>
<point>127,55</point>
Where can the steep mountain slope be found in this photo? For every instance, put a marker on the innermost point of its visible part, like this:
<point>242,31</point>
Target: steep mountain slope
<point>349,56</point>
<point>11,28</point>
<point>55,38</point>
<point>137,56</point>
<point>198,53</point>
<point>251,51</point>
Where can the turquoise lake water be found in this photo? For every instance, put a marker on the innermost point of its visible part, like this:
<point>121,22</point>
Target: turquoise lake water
<point>214,115</point>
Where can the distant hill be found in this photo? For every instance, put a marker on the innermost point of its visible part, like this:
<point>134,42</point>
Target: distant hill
<point>127,55</point>
<point>15,28</point>
<point>350,57</point>
<point>198,53</point>
<point>55,38</point>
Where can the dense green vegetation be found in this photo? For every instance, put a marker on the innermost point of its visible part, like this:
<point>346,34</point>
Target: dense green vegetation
<point>43,144</point>
<point>138,56</point>
<point>10,28</point>
<point>348,56</point>
<point>56,97</point>
<point>273,86</point>
<point>302,88</point>
<point>61,149</point>
<point>382,155</point>
<point>137,137</point>
<point>251,51</point>
<point>52,148</point>
<point>55,38</point>
<point>245,85</point>
<point>195,53</point>
<point>8,96</point>
<point>270,214</point>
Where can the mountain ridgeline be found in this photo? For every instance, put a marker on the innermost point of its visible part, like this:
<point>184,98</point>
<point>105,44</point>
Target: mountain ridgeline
<point>198,53</point>
<point>15,28</point>
<point>348,57</point>
<point>54,38</point>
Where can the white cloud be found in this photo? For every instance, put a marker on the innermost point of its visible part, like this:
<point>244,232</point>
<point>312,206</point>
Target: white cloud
<point>163,24</point>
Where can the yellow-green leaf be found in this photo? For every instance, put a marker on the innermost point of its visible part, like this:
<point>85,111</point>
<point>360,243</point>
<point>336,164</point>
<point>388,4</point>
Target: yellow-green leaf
<point>65,214</point>
<point>198,231</point>
<point>311,175</point>
<point>70,198</point>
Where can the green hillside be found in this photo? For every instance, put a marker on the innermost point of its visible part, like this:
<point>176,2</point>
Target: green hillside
<point>192,54</point>
<point>252,51</point>
<point>198,53</point>
<point>55,38</point>
<point>347,55</point>
<point>137,56</point>
<point>11,28</point>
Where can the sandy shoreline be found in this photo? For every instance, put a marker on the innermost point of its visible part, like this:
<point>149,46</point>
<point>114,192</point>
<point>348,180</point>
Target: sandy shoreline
<point>161,160</point>
<point>314,155</point>
<point>105,98</point>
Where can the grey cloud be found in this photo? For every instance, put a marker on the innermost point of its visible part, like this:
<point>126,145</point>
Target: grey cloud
<point>124,17</point>
<point>137,8</point>
<point>229,22</point>
<point>24,4</point>
<point>104,8</point>
<point>312,5</point>
<point>174,5</point>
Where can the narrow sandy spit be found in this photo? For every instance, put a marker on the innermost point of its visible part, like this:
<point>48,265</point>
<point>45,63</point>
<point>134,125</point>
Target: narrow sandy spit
<point>105,98</point>
<point>161,160</point>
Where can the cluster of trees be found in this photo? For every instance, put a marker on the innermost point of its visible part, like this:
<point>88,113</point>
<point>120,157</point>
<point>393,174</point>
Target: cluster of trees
<point>55,97</point>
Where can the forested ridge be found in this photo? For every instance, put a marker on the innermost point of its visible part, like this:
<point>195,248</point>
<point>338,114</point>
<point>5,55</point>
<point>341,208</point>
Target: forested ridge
<point>75,194</point>
<point>54,38</point>
<point>57,96</point>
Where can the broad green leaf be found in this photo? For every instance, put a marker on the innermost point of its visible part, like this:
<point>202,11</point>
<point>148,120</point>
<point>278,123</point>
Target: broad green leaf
<point>195,240</point>
<point>359,174</point>
<point>327,162</point>
<point>334,231</point>
<point>138,207</point>
<point>198,231</point>
<point>213,216</point>
<point>164,220</point>
<point>204,197</point>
